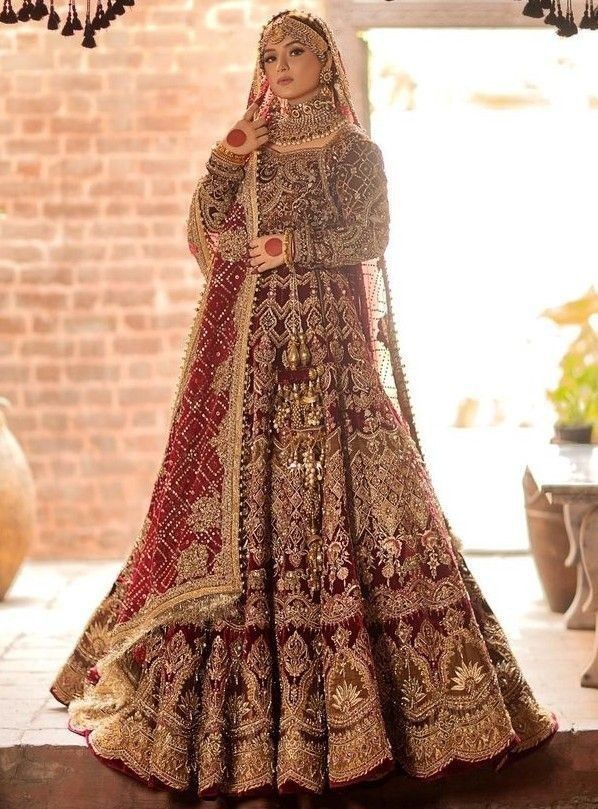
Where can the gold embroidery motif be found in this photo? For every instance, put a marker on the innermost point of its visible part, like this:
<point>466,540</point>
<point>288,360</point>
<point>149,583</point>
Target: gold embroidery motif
<point>205,514</point>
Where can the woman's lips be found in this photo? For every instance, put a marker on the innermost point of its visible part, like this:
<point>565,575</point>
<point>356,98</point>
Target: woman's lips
<point>285,80</point>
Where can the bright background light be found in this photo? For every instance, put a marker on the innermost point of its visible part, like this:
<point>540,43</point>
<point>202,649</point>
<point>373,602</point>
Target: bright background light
<point>489,139</point>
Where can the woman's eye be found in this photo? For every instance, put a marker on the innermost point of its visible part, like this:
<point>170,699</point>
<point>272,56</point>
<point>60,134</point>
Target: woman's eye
<point>297,51</point>
<point>268,58</point>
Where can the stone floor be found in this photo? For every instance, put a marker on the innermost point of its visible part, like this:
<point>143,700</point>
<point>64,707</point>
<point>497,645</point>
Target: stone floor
<point>49,602</point>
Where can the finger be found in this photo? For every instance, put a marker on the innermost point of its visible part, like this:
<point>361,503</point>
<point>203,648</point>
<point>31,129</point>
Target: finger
<point>261,140</point>
<point>250,111</point>
<point>259,122</point>
<point>262,130</point>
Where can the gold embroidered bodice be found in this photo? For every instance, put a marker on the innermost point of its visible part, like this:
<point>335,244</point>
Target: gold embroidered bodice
<point>333,197</point>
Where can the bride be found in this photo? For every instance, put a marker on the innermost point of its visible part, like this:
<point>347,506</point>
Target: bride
<point>295,614</point>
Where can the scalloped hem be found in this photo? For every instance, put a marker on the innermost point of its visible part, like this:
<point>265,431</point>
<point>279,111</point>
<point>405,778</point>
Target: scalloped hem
<point>382,772</point>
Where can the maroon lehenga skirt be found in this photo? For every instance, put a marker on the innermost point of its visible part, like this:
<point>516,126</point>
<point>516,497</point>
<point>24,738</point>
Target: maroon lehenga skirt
<point>394,659</point>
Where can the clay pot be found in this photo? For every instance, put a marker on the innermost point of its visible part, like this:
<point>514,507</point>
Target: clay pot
<point>17,504</point>
<point>576,433</point>
<point>549,545</point>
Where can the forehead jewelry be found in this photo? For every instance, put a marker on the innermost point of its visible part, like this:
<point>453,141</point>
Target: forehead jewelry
<point>287,25</point>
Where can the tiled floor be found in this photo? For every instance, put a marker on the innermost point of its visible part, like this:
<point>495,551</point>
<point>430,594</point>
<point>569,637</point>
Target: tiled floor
<point>49,603</point>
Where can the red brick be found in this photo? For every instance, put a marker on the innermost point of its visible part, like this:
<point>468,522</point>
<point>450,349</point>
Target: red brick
<point>32,104</point>
<point>43,300</point>
<point>144,394</point>
<point>48,373</point>
<point>133,296</point>
<point>79,372</point>
<point>14,324</point>
<point>21,253</point>
<point>137,345</point>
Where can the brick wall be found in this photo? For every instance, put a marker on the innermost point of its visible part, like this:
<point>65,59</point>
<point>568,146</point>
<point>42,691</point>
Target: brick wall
<point>99,153</point>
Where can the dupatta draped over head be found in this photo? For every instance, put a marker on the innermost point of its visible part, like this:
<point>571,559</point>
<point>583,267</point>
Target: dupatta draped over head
<point>185,565</point>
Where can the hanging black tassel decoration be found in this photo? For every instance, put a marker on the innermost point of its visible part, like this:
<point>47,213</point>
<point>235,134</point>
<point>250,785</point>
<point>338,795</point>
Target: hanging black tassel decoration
<point>585,20</point>
<point>545,4</point>
<point>567,27</point>
<point>99,17</point>
<point>593,16</point>
<point>40,10</point>
<point>53,19</point>
<point>67,28</point>
<point>24,14</point>
<point>88,38</point>
<point>7,14</point>
<point>533,8</point>
<point>551,18</point>
<point>560,19</point>
<point>77,24</point>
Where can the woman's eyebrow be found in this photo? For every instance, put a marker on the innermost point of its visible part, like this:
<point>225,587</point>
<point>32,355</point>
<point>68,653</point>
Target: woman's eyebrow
<point>294,42</point>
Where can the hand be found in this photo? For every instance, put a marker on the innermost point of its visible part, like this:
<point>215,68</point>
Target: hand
<point>266,252</point>
<point>247,134</point>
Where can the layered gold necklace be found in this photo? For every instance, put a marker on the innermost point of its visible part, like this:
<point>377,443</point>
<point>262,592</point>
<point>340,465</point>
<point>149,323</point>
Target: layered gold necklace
<point>305,121</point>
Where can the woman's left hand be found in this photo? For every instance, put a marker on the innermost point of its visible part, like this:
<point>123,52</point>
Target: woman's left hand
<point>266,252</point>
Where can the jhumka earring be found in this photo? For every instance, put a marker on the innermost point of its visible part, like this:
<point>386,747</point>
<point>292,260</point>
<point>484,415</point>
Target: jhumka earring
<point>299,421</point>
<point>326,75</point>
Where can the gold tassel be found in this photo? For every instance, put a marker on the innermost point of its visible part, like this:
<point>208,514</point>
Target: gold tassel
<point>299,421</point>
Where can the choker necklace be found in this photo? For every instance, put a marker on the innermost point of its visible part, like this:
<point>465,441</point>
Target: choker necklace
<point>305,121</point>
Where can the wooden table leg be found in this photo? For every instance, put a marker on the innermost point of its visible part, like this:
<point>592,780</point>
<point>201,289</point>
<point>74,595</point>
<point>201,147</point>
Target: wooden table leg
<point>576,617</point>
<point>588,544</point>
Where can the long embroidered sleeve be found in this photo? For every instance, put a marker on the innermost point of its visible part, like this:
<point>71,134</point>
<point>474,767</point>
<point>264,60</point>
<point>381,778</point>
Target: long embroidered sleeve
<point>217,190</point>
<point>359,190</point>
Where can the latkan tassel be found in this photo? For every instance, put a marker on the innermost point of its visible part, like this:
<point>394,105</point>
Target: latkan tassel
<point>551,18</point>
<point>8,14</point>
<point>67,28</point>
<point>568,28</point>
<point>40,10</point>
<point>77,24</point>
<point>88,38</point>
<point>299,421</point>
<point>585,21</point>
<point>25,11</point>
<point>533,8</point>
<point>53,19</point>
<point>101,18</point>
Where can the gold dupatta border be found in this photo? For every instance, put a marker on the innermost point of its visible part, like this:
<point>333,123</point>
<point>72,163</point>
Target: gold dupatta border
<point>192,602</point>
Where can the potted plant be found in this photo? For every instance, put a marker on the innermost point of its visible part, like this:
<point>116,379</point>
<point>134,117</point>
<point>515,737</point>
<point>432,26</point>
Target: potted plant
<point>575,398</point>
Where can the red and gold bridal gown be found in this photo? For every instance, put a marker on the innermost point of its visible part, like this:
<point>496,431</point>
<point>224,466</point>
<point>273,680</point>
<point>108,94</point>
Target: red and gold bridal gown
<point>359,641</point>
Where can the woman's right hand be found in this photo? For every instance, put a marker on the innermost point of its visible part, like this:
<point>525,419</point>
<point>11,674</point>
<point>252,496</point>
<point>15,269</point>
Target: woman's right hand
<point>247,134</point>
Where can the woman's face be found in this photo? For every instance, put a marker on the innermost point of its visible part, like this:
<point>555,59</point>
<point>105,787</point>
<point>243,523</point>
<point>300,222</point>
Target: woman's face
<point>292,69</point>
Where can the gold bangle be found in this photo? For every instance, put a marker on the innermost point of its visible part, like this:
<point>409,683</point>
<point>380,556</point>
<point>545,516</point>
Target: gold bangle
<point>288,252</point>
<point>231,157</point>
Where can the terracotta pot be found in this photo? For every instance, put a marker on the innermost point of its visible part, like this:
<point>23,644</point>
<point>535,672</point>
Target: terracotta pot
<point>549,545</point>
<point>578,433</point>
<point>17,504</point>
